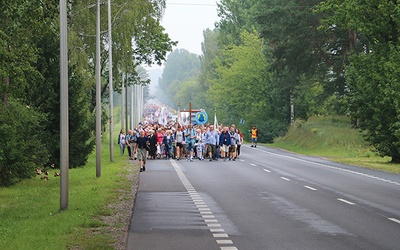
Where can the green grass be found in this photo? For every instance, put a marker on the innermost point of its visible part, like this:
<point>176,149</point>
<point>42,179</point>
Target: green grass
<point>333,138</point>
<point>30,216</point>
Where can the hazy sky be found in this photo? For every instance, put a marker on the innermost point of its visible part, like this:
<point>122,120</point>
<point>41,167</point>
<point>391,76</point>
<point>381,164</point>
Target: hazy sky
<point>185,20</point>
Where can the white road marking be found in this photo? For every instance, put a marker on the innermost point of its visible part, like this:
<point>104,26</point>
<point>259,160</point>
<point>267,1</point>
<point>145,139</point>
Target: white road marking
<point>332,167</point>
<point>224,242</point>
<point>284,178</point>
<point>346,201</point>
<point>206,213</point>
<point>211,221</point>
<point>204,209</point>
<point>394,220</point>
<point>220,235</point>
<point>252,164</point>
<point>311,188</point>
<point>266,170</point>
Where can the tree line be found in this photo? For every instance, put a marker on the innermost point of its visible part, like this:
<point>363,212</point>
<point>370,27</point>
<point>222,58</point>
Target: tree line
<point>268,62</point>
<point>30,74</point>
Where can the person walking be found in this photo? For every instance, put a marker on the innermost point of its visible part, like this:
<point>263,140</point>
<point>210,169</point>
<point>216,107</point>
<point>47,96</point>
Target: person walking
<point>122,141</point>
<point>225,143</point>
<point>160,138</point>
<point>212,140</point>
<point>234,141</point>
<point>190,136</point>
<point>239,143</point>
<point>200,143</point>
<point>179,138</point>
<point>152,144</point>
<point>142,144</point>
<point>167,142</point>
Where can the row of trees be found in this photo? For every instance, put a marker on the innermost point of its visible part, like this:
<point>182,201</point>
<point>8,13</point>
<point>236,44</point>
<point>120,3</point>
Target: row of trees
<point>268,62</point>
<point>29,74</point>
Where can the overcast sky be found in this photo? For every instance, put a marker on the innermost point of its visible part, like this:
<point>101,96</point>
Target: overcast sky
<point>185,20</point>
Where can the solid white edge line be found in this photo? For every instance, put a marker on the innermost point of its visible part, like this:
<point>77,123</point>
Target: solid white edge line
<point>331,167</point>
<point>346,201</point>
<point>394,220</point>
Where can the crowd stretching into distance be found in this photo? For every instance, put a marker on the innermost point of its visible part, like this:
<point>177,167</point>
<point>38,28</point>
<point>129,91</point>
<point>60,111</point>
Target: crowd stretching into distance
<point>173,141</point>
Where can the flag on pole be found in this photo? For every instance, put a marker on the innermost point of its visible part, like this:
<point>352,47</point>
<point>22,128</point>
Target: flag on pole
<point>215,120</point>
<point>179,117</point>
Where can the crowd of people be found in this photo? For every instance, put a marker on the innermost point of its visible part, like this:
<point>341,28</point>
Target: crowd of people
<point>155,141</point>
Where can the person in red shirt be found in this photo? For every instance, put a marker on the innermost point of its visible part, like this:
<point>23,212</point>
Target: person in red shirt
<point>160,138</point>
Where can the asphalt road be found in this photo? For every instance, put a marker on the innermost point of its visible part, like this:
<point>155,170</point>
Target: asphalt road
<point>267,199</point>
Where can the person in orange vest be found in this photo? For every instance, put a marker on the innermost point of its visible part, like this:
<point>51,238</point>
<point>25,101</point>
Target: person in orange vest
<point>254,136</point>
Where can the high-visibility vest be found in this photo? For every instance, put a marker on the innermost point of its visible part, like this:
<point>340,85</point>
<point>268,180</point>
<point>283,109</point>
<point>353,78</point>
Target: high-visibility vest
<point>254,133</point>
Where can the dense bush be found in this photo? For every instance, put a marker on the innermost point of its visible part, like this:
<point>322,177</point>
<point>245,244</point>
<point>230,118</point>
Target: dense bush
<point>22,149</point>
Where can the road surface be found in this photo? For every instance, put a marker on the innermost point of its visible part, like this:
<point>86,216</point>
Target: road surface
<point>267,199</point>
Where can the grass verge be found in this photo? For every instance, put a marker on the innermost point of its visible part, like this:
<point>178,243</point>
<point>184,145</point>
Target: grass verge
<point>333,138</point>
<point>30,216</point>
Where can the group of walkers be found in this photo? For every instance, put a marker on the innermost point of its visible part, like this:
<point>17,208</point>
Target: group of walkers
<point>201,142</point>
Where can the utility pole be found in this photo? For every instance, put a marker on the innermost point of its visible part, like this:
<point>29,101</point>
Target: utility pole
<point>126,103</point>
<point>98,93</point>
<point>123,101</point>
<point>110,84</point>
<point>132,108</point>
<point>64,121</point>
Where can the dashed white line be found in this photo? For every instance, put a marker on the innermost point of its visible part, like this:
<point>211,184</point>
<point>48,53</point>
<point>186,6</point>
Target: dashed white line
<point>252,164</point>
<point>266,170</point>
<point>284,178</point>
<point>346,201</point>
<point>220,235</point>
<point>208,216</point>
<point>394,220</point>
<point>214,225</point>
<point>224,242</point>
<point>204,209</point>
<point>335,168</point>
<point>210,221</point>
<point>311,188</point>
<point>205,212</point>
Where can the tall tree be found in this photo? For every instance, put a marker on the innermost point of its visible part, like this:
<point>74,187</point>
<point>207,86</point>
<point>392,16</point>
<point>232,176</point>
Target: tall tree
<point>181,65</point>
<point>372,73</point>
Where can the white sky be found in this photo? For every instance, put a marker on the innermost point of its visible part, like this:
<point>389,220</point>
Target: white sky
<point>185,20</point>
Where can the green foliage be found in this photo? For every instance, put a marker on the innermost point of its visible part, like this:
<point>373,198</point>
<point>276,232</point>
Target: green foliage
<point>23,146</point>
<point>30,210</point>
<point>180,66</point>
<point>374,100</point>
<point>372,72</point>
<point>329,136</point>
